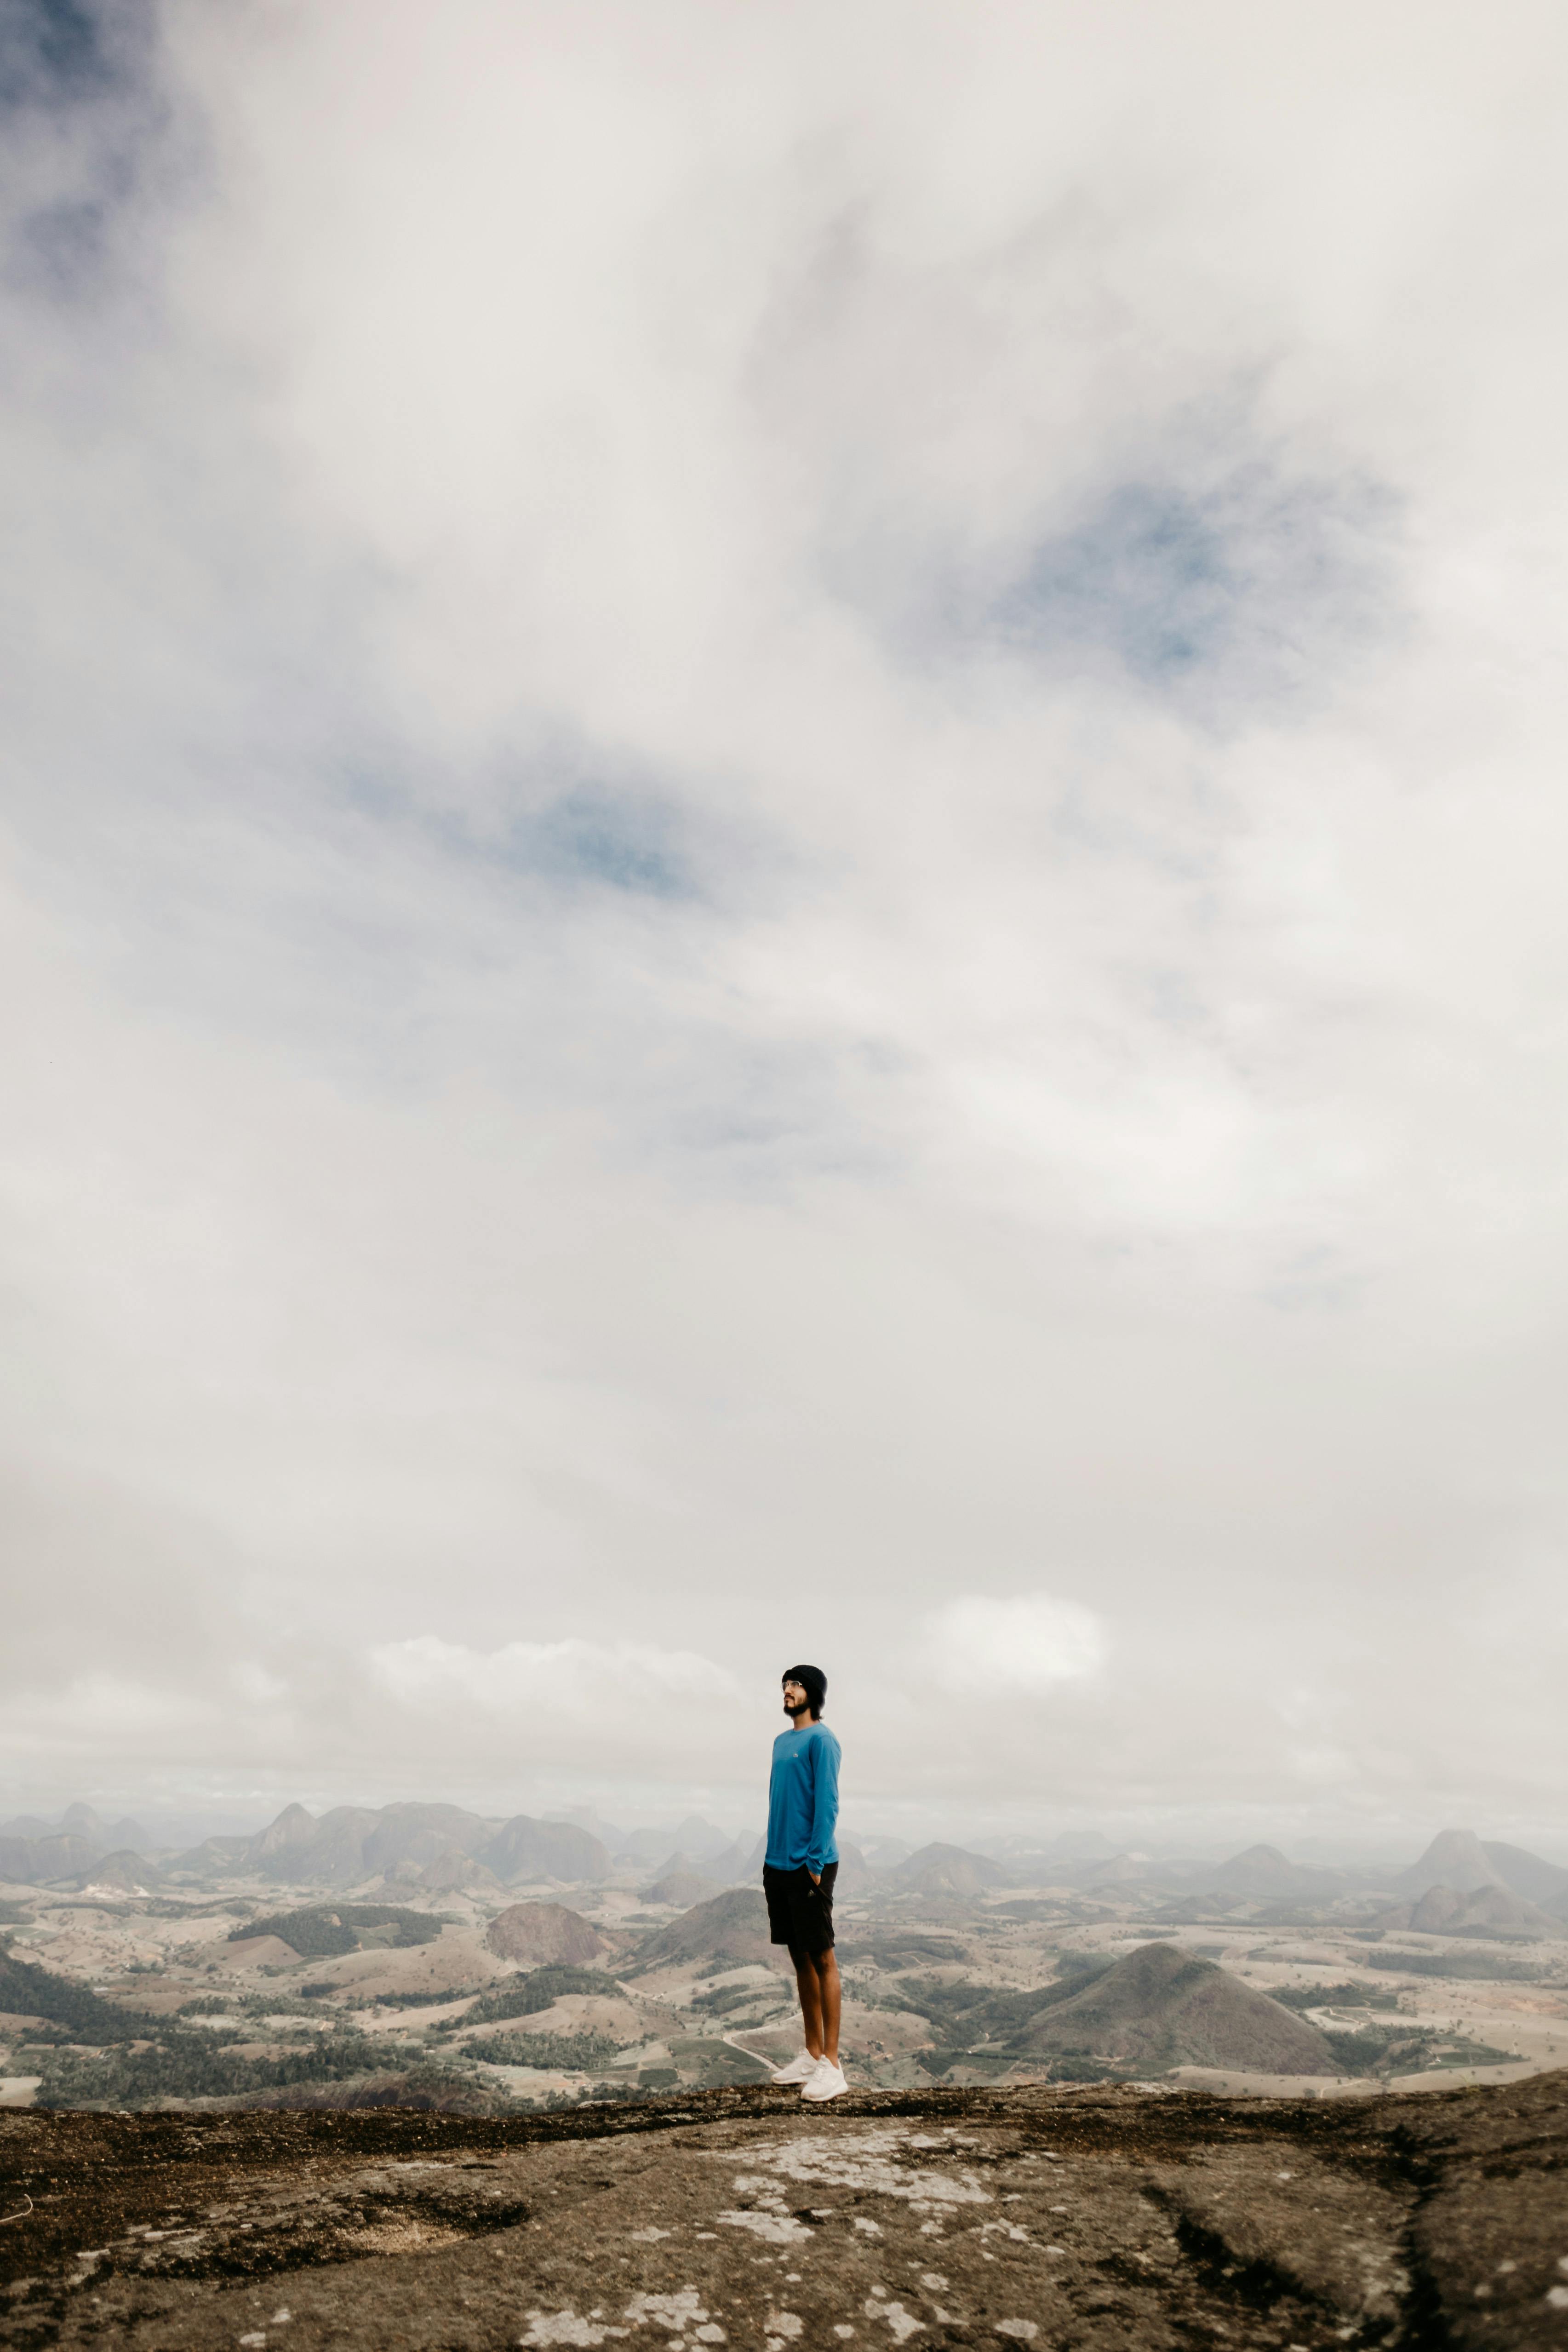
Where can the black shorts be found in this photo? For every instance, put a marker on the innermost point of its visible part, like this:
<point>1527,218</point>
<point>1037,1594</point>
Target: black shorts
<point>800,1914</point>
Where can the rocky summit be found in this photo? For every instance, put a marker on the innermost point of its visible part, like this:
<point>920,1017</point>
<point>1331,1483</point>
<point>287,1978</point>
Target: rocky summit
<point>1102,2216</point>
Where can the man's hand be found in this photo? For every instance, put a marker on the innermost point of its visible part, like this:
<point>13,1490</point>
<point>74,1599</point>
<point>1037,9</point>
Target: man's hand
<point>814,1876</point>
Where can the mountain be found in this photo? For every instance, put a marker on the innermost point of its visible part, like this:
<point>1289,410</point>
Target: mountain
<point>42,1862</point>
<point>293,1832</point>
<point>1487,1910</point>
<point>1455,1858</point>
<point>35,1853</point>
<point>129,1832</point>
<point>741,1863</point>
<point>80,1821</point>
<point>1263,1870</point>
<point>419,1834</point>
<point>679,1885</point>
<point>1525,1874</point>
<point>215,1857</point>
<point>524,1849</point>
<point>126,1872</point>
<point>700,1838</point>
<point>856,1876</point>
<point>583,1817</point>
<point>337,1858</point>
<point>541,1933</point>
<point>1121,1870</point>
<point>646,1847</point>
<point>732,1926</point>
<point>947,1870</point>
<point>409,1842</point>
<point>295,1849</point>
<point>450,1868</point>
<point>885,1853</point>
<point>695,1839</point>
<point>1161,2007</point>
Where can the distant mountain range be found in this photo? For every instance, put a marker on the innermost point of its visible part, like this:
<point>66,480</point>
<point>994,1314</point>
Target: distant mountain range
<point>408,1844</point>
<point>1478,1886</point>
<point>35,1852</point>
<point>433,1847</point>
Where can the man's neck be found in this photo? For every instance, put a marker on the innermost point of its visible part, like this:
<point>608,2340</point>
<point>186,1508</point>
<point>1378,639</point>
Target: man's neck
<point>799,1722</point>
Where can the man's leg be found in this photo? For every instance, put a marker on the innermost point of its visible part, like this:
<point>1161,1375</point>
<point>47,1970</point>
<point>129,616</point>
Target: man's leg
<point>827,2001</point>
<point>809,1985</point>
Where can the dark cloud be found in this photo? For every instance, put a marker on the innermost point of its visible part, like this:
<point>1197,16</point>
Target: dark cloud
<point>80,106</point>
<point>58,53</point>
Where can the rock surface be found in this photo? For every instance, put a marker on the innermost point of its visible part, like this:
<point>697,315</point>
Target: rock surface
<point>1093,2217</point>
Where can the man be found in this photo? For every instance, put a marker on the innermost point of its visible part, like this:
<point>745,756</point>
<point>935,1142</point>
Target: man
<point>798,1871</point>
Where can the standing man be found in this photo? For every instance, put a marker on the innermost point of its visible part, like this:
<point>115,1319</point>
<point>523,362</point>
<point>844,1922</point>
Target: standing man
<point>798,1871</point>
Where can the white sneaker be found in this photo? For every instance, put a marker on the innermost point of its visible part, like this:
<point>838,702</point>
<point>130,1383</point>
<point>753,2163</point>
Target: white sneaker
<point>828,2082</point>
<point>799,2069</point>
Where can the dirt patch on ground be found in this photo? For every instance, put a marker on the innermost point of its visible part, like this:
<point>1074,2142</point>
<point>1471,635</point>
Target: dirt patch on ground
<point>1092,2217</point>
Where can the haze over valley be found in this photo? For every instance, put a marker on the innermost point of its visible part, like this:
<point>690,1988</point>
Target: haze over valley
<point>421,1953</point>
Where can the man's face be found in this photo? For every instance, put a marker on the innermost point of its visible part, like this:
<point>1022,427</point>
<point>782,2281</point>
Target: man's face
<point>795,1697</point>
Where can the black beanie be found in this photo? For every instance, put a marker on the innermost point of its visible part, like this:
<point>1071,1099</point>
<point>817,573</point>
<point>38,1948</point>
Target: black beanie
<point>813,1681</point>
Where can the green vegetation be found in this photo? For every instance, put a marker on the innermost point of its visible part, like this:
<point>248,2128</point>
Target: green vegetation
<point>423,1999</point>
<point>1334,1996</point>
<point>32,1992</point>
<point>1457,1964</point>
<point>1408,2050</point>
<point>14,1915</point>
<point>250,2004</point>
<point>902,1951</point>
<point>970,2019</point>
<point>977,2013</point>
<point>720,2002</point>
<point>195,2066</point>
<point>1034,1906</point>
<point>1461,2053</point>
<point>1380,2049</point>
<point>994,2062</point>
<point>525,1996</point>
<point>585,2053</point>
<point>1075,1970</point>
<point>716,2065</point>
<point>323,1933</point>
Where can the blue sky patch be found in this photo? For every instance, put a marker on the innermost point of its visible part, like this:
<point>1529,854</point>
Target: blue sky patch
<point>1250,586</point>
<point>625,843</point>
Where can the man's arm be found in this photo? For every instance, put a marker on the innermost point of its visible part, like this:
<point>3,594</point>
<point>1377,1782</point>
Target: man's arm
<point>823,1805</point>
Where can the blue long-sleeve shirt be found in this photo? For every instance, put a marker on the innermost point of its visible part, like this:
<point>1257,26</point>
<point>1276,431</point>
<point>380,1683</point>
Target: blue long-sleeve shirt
<point>803,1800</point>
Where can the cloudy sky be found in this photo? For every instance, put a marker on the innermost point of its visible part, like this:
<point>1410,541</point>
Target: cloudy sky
<point>782,876</point>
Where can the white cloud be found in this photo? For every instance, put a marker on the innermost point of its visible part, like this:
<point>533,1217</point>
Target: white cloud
<point>1028,1642</point>
<point>783,803</point>
<point>572,1677</point>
